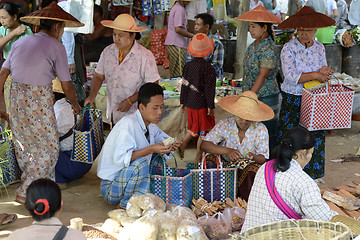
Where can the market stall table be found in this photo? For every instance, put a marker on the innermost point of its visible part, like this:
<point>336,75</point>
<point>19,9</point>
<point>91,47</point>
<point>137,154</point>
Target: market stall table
<point>173,121</point>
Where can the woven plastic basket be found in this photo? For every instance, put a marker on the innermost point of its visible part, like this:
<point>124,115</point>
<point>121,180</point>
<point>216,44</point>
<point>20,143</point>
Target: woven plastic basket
<point>325,35</point>
<point>296,229</point>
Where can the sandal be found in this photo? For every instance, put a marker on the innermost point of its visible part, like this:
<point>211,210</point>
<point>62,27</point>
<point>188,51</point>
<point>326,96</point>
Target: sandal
<point>20,199</point>
<point>6,219</point>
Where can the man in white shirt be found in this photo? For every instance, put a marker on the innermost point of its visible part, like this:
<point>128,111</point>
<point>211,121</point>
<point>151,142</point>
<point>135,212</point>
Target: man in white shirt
<point>332,8</point>
<point>342,14</point>
<point>194,8</point>
<point>125,157</point>
<point>318,5</point>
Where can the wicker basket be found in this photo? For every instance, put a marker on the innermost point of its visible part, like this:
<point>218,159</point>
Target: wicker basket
<point>296,229</point>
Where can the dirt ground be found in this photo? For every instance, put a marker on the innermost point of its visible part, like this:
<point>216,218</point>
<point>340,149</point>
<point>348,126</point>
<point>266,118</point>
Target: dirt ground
<point>82,198</point>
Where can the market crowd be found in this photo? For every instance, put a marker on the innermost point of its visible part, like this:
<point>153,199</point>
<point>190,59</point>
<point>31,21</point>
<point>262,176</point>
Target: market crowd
<point>42,80</point>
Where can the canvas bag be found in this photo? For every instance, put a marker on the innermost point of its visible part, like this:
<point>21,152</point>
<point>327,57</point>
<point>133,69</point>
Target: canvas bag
<point>173,185</point>
<point>9,168</point>
<point>328,107</point>
<point>88,136</point>
<point>215,184</point>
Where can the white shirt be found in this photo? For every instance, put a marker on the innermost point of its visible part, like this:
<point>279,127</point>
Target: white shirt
<point>331,5</point>
<point>68,38</point>
<point>195,8</point>
<point>296,188</point>
<point>317,5</point>
<point>353,15</point>
<point>283,6</point>
<point>127,136</point>
<point>253,4</point>
<point>65,120</point>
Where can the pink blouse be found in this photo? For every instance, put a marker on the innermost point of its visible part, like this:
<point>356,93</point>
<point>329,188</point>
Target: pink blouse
<point>126,78</point>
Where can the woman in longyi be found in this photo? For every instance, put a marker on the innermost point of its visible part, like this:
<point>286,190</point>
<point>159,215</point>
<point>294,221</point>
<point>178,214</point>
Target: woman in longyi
<point>32,115</point>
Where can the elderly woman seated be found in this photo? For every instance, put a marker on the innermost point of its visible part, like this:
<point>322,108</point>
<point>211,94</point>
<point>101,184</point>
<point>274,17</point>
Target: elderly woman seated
<point>241,139</point>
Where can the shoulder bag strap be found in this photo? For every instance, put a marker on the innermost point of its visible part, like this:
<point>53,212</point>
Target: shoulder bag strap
<point>69,133</point>
<point>60,235</point>
<point>275,196</point>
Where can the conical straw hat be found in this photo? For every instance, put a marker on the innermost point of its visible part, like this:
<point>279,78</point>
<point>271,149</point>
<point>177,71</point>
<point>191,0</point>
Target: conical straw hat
<point>53,12</point>
<point>123,22</point>
<point>247,106</point>
<point>307,18</point>
<point>259,14</point>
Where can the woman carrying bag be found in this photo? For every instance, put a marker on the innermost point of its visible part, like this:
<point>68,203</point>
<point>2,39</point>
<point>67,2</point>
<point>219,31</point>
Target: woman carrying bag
<point>302,60</point>
<point>34,61</point>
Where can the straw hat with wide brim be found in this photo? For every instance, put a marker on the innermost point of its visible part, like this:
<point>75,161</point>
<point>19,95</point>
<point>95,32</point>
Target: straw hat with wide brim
<point>259,14</point>
<point>53,12</point>
<point>247,106</point>
<point>200,45</point>
<point>307,18</point>
<point>123,22</point>
<point>352,223</point>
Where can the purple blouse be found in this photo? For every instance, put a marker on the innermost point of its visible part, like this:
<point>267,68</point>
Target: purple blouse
<point>37,59</point>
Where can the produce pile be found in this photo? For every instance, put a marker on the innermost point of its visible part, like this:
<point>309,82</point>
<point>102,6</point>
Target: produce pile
<point>147,217</point>
<point>220,219</point>
<point>345,38</point>
<point>346,80</point>
<point>344,199</point>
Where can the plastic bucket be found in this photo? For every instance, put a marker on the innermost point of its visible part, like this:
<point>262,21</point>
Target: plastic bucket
<point>325,35</point>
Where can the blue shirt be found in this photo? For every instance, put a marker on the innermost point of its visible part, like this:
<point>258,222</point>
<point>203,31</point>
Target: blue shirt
<point>127,136</point>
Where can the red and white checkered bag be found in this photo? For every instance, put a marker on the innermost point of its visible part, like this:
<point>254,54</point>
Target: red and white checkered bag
<point>328,107</point>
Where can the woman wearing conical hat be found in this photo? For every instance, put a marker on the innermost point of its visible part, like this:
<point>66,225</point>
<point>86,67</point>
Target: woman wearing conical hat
<point>241,139</point>
<point>34,61</point>
<point>125,65</point>
<point>302,60</point>
<point>261,63</point>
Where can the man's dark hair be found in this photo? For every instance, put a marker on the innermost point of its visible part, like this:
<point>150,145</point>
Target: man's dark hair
<point>147,91</point>
<point>207,19</point>
<point>98,9</point>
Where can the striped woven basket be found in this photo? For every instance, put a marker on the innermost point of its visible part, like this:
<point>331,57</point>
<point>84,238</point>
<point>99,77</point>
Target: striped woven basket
<point>296,229</point>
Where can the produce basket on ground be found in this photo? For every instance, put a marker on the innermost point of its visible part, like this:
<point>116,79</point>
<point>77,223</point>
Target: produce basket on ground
<point>297,229</point>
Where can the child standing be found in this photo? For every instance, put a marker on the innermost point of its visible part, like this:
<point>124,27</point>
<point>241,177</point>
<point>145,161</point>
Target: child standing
<point>198,92</point>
